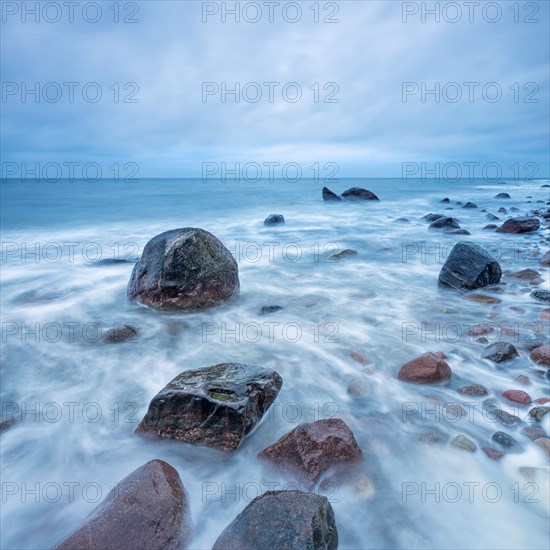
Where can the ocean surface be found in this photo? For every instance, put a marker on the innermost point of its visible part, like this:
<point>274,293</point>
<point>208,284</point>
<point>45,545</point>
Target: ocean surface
<point>68,249</point>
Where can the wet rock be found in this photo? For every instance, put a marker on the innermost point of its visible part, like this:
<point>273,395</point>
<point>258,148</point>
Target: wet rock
<point>519,225</point>
<point>432,217</point>
<point>542,400</point>
<point>534,340</point>
<point>359,389</point>
<point>517,396</point>
<point>184,269</point>
<point>502,210</point>
<point>358,193</point>
<point>401,220</point>
<point>522,379</point>
<point>458,232</point>
<point>444,223</point>
<point>534,432</point>
<point>499,352</point>
<point>126,333</point>
<point>504,418</point>
<point>482,299</point>
<point>147,509</point>
<point>541,295</point>
<point>309,450</point>
<point>505,441</point>
<point>492,217</point>
<point>431,437</point>
<point>544,444</point>
<point>346,253</point>
<point>490,226</point>
<point>427,368</point>
<point>469,205</point>
<point>356,356</point>
<point>469,267</point>
<point>462,442</point>
<point>363,486</point>
<point>545,260</point>
<point>541,356</point>
<point>282,520</point>
<point>329,196</point>
<point>445,200</point>
<point>215,406</point>
<point>530,276</point>
<point>502,196</point>
<point>6,423</point>
<point>266,310</point>
<point>480,330</point>
<point>482,340</point>
<point>274,219</point>
<point>538,413</point>
<point>493,453</point>
<point>474,390</point>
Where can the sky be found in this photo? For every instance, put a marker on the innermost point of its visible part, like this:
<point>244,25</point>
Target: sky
<point>364,70</point>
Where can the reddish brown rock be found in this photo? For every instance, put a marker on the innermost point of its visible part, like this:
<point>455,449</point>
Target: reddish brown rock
<point>519,225</point>
<point>356,356</point>
<point>517,396</point>
<point>441,355</point>
<point>541,356</point>
<point>480,330</point>
<point>147,509</point>
<point>534,432</point>
<point>545,314</point>
<point>311,449</point>
<point>493,453</point>
<point>542,400</point>
<point>427,368</point>
<point>522,379</point>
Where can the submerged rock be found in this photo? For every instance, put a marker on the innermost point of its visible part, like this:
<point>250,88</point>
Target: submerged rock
<point>147,509</point>
<point>184,269</point>
<point>346,253</point>
<point>500,351</point>
<point>427,368</point>
<point>519,225</point>
<point>474,390</point>
<point>358,193</point>
<point>126,333</point>
<point>266,310</point>
<point>274,219</point>
<point>311,449</point>
<point>214,406</point>
<point>329,196</point>
<point>462,442</point>
<point>282,520</point>
<point>469,205</point>
<point>469,267</point>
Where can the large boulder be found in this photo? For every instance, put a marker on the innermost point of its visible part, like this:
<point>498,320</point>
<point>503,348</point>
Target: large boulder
<point>184,269</point>
<point>427,368</point>
<point>282,520</point>
<point>519,225</point>
<point>329,196</point>
<point>468,267</point>
<point>309,450</point>
<point>215,406</point>
<point>359,194</point>
<point>147,509</point>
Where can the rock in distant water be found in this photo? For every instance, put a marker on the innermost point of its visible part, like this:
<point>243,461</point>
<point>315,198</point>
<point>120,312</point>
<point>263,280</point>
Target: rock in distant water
<point>311,449</point>
<point>346,253</point>
<point>147,509</point>
<point>427,368</point>
<point>502,196</point>
<point>500,351</point>
<point>432,217</point>
<point>519,225</point>
<point>282,520</point>
<point>127,333</point>
<point>328,195</point>
<point>214,406</point>
<point>470,205</point>
<point>468,267</point>
<point>444,223</point>
<point>445,200</point>
<point>274,219</point>
<point>541,295</point>
<point>502,210</point>
<point>358,193</point>
<point>492,217</point>
<point>490,226</point>
<point>269,309</point>
<point>541,356</point>
<point>184,269</point>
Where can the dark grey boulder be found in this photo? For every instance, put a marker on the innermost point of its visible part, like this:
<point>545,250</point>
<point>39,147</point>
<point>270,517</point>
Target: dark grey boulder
<point>470,205</point>
<point>468,266</point>
<point>500,351</point>
<point>505,441</point>
<point>184,269</point>
<point>519,225</point>
<point>215,406</point>
<point>282,520</point>
<point>329,196</point>
<point>502,196</point>
<point>359,194</point>
<point>432,217</point>
<point>147,509</point>
<point>274,219</point>
<point>444,223</point>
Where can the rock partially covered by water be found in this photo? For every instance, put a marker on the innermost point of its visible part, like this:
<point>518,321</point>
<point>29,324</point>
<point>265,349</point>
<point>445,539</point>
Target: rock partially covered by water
<point>519,225</point>
<point>500,351</point>
<point>274,219</point>
<point>528,276</point>
<point>184,269</point>
<point>346,253</point>
<point>541,295</point>
<point>444,223</point>
<point>502,196</point>
<point>427,368</point>
<point>329,196</point>
<point>505,441</point>
<point>468,266</point>
<point>470,205</point>
<point>147,509</point>
<point>541,356</point>
<point>282,520</point>
<point>545,260</point>
<point>214,406</point>
<point>359,194</point>
<point>311,449</point>
<point>474,390</point>
<point>117,335</point>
